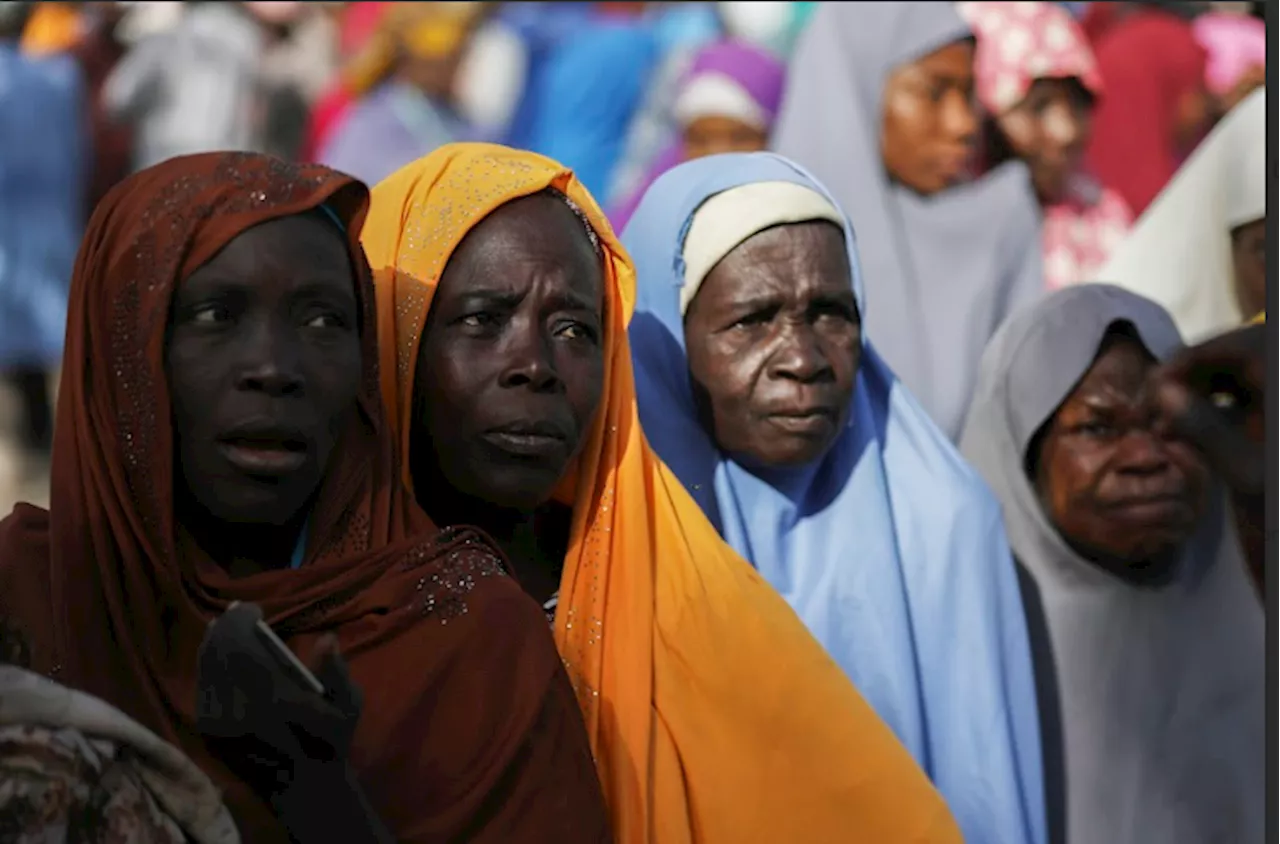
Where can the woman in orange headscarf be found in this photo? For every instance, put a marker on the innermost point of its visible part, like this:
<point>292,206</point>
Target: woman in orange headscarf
<point>713,715</point>
<point>157,524</point>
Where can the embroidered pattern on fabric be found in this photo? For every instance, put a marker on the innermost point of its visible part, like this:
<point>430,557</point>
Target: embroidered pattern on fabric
<point>59,784</point>
<point>461,560</point>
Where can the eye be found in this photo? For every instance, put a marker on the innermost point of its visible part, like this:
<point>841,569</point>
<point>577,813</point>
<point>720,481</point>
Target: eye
<point>752,320</point>
<point>832,311</point>
<point>480,319</point>
<point>209,314</point>
<point>326,320</point>
<point>1095,428</point>
<point>576,331</point>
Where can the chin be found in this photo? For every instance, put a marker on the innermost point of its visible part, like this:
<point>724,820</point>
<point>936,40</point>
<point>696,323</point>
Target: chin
<point>1154,551</point>
<point>523,494</point>
<point>258,507</point>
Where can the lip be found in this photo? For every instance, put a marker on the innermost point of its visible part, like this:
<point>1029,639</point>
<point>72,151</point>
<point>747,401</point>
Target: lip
<point>810,421</point>
<point>264,450</point>
<point>544,440</point>
<point>1152,508</point>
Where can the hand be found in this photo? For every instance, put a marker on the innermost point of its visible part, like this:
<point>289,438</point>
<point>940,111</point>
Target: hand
<point>260,717</point>
<point>1213,394</point>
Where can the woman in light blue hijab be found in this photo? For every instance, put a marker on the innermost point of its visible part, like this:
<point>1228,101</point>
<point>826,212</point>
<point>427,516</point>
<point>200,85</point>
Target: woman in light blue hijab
<point>886,543</point>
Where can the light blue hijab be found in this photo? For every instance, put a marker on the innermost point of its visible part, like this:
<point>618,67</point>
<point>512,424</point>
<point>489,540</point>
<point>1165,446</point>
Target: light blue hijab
<point>890,548</point>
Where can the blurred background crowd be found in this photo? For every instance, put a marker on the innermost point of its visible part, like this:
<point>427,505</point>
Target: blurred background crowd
<point>90,92</point>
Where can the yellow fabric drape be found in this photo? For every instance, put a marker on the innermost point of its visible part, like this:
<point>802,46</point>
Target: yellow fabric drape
<point>432,30</point>
<point>714,716</point>
<point>52,28</point>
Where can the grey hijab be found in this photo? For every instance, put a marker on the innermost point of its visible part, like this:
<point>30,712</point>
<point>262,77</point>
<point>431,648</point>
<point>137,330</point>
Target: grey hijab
<point>1156,720</point>
<point>943,271</point>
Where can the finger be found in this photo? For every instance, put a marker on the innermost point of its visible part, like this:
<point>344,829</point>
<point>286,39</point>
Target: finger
<point>1240,353</point>
<point>331,670</point>
<point>1224,444</point>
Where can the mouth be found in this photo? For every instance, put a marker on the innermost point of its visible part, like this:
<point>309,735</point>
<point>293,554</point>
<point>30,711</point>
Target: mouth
<point>264,452</point>
<point>1153,508</point>
<point>535,440</point>
<point>805,421</point>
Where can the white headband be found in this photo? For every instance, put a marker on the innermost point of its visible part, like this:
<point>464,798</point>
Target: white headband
<point>730,217</point>
<point>717,95</point>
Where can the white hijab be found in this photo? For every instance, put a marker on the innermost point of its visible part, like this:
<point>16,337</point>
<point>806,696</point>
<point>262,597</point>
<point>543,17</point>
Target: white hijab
<point>1179,252</point>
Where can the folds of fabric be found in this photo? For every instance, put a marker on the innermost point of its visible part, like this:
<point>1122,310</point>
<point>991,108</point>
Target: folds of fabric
<point>890,548</point>
<point>713,714</point>
<point>65,753</point>
<point>941,271</point>
<point>1149,61</point>
<point>1018,44</point>
<point>115,598</point>
<point>1163,684</point>
<point>1179,252</point>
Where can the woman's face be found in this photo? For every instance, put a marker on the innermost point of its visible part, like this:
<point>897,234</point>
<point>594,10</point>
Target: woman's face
<point>774,340</point>
<point>264,366</point>
<point>930,124</point>
<point>1249,254</point>
<point>713,135</point>
<point>1049,130</point>
<point>1117,491</point>
<point>511,363</point>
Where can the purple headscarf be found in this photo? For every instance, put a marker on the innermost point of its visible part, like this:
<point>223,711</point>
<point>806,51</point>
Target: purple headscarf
<point>757,71</point>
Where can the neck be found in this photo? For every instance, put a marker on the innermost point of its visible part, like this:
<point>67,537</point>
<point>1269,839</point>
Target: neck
<point>534,541</point>
<point>243,549</point>
<point>1152,573</point>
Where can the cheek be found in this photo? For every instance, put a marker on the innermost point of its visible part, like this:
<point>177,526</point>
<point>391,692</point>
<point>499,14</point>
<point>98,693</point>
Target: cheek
<point>843,348</point>
<point>1022,133</point>
<point>584,383</point>
<point>341,371</point>
<point>1193,468</point>
<point>726,369</point>
<point>195,378</point>
<point>1068,486</point>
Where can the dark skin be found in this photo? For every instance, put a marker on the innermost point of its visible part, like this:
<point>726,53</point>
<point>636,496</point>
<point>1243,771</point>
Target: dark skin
<point>1249,256</point>
<point>714,134</point>
<point>264,364</point>
<point>510,374</point>
<point>774,340</point>
<point>1049,130</point>
<point>1121,493</point>
<point>930,124</point>
<point>1214,395</point>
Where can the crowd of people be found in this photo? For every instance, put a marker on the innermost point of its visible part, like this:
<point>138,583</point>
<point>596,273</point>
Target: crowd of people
<point>686,423</point>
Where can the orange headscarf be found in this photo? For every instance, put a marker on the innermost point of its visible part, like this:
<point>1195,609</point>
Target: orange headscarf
<point>469,730</point>
<point>714,716</point>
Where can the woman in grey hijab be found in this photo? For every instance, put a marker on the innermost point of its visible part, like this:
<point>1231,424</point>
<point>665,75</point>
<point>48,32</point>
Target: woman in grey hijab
<point>1147,637</point>
<point>879,108</point>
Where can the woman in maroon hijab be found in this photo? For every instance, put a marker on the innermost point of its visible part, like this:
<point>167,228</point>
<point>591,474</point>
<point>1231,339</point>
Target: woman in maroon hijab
<point>220,438</point>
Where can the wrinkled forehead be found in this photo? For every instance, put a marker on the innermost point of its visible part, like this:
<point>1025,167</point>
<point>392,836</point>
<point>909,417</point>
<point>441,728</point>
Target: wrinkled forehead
<point>1046,350</point>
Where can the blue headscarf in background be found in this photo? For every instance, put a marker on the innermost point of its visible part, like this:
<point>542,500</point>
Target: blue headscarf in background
<point>587,91</point>
<point>890,548</point>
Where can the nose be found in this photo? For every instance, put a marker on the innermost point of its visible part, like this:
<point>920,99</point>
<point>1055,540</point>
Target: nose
<point>1061,126</point>
<point>530,363</point>
<point>269,361</point>
<point>799,356</point>
<point>960,118</point>
<point>1143,453</point>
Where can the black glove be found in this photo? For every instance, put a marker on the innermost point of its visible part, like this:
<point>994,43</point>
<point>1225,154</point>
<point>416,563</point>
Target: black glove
<point>288,742</point>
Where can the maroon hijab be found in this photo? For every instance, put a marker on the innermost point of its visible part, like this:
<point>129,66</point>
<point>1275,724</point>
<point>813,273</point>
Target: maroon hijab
<point>469,731</point>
